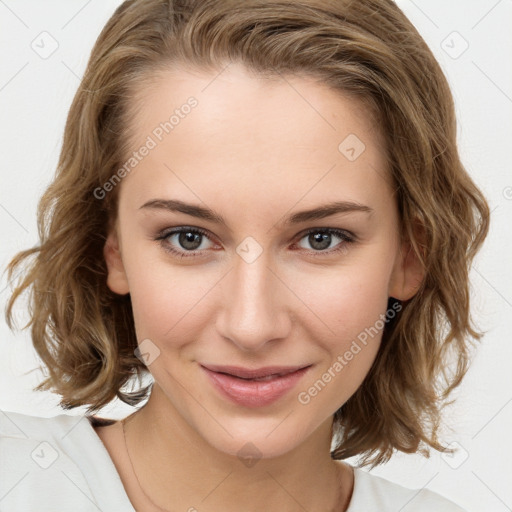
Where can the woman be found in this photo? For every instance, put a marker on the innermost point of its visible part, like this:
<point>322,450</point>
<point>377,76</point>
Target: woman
<point>261,205</point>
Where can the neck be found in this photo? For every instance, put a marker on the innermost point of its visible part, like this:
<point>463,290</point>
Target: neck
<point>179,470</point>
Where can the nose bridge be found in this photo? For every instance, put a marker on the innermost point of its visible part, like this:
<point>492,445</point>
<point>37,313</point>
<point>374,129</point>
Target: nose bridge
<point>253,311</point>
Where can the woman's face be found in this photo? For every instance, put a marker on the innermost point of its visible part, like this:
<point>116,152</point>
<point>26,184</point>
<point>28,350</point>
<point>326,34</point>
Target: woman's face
<point>238,169</point>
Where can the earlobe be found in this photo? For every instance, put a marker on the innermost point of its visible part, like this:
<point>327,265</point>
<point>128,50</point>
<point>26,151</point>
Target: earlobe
<point>116,278</point>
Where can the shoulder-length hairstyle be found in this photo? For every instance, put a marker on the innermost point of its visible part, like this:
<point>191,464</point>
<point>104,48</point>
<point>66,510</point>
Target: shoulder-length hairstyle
<point>85,334</point>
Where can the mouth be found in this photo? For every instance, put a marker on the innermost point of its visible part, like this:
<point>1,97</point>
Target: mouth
<point>257,374</point>
<point>256,387</point>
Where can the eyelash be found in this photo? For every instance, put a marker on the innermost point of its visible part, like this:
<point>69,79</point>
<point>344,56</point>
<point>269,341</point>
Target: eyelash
<point>346,237</point>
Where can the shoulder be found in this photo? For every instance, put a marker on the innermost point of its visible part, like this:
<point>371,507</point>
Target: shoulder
<point>23,426</point>
<point>375,492</point>
<point>54,463</point>
<point>61,433</point>
<point>15,425</point>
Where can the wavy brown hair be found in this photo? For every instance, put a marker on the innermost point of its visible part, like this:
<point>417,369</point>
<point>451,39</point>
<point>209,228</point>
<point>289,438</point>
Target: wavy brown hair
<point>85,334</point>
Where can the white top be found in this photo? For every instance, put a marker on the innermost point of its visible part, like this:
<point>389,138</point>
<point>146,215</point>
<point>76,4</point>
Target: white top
<point>60,464</point>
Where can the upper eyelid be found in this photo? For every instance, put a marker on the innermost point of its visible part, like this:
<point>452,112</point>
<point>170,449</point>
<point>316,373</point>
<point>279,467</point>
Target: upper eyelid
<point>333,230</point>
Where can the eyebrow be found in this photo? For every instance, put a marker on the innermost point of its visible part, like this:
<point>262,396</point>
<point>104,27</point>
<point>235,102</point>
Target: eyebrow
<point>320,212</point>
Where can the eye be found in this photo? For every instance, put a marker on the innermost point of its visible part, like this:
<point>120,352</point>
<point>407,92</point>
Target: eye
<point>188,240</point>
<point>321,239</point>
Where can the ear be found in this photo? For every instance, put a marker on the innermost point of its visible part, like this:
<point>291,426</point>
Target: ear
<point>408,272</point>
<point>116,279</point>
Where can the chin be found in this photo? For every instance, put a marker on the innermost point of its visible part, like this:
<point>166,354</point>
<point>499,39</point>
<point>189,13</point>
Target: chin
<point>251,439</point>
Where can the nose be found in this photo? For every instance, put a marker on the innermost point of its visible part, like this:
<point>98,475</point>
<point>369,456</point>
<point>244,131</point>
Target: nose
<point>255,305</point>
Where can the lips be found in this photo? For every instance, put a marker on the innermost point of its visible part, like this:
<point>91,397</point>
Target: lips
<point>256,373</point>
<point>254,387</point>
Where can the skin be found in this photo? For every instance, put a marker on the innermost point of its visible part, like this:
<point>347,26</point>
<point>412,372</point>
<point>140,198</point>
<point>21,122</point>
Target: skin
<point>255,151</point>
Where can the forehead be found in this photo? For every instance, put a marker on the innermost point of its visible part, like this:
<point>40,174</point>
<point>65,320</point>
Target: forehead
<point>254,133</point>
<point>235,94</point>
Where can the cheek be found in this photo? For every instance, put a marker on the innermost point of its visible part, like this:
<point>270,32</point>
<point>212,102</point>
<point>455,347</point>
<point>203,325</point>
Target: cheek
<point>347,300</point>
<point>351,308</point>
<point>166,300</point>
<point>348,322</point>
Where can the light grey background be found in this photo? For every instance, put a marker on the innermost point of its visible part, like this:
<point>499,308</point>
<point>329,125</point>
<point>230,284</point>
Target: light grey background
<point>36,89</point>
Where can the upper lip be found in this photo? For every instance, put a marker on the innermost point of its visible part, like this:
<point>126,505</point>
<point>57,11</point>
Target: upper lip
<point>253,373</point>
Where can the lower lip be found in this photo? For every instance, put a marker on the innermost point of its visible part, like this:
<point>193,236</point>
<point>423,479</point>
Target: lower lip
<point>253,393</point>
